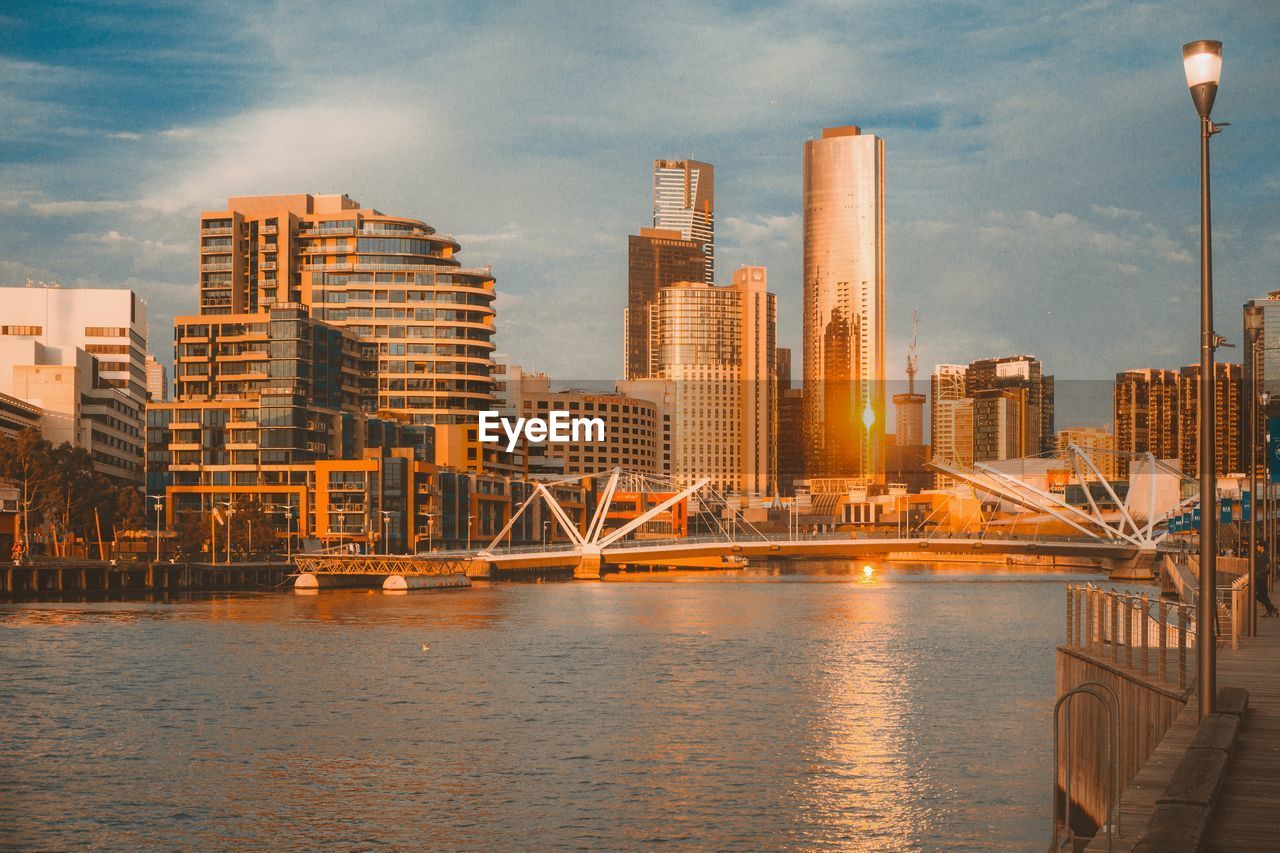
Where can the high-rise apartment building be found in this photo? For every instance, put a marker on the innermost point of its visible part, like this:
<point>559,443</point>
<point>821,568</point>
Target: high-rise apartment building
<point>1097,443</point>
<point>844,303</point>
<point>953,432</point>
<point>656,258</point>
<point>1032,395</point>
<point>157,380</point>
<point>424,323</point>
<point>790,426</point>
<point>950,419</point>
<point>78,354</point>
<point>716,345</point>
<point>684,200</point>
<point>1146,415</point>
<point>1000,418</point>
<point>1227,399</point>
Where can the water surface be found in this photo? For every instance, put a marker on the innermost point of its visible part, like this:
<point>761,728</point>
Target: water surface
<point>813,708</point>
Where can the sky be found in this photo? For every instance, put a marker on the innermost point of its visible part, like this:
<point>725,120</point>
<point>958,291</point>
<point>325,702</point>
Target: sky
<point>1042,158</point>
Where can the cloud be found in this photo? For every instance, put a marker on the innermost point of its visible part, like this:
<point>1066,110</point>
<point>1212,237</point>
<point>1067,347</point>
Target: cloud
<point>79,207</point>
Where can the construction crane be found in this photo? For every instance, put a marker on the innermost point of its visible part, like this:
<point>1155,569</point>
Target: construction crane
<point>912,360</point>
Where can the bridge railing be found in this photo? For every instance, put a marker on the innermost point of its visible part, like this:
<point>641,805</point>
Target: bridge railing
<point>1145,633</point>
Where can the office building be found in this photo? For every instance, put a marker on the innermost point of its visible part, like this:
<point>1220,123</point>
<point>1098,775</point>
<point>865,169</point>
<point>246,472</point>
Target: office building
<point>1097,443</point>
<point>953,436</point>
<point>78,355</point>
<point>424,323</point>
<point>716,345</point>
<point>656,258</point>
<point>844,301</point>
<point>790,427</point>
<point>684,200</point>
<point>157,380</point>
<point>1228,418</point>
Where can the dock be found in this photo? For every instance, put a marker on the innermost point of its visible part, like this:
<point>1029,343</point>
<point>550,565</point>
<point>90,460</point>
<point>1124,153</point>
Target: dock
<point>1204,785</point>
<point>55,577</point>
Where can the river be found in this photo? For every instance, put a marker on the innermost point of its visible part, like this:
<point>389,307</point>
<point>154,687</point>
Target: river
<point>813,707</point>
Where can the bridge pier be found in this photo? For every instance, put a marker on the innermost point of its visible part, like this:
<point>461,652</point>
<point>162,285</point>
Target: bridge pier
<point>589,564</point>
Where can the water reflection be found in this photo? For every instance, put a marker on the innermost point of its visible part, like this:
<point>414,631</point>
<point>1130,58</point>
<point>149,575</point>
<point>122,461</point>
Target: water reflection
<point>785,706</point>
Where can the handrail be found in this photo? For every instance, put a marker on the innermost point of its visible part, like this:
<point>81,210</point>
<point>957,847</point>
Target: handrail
<point>1111,703</point>
<point>1103,623</point>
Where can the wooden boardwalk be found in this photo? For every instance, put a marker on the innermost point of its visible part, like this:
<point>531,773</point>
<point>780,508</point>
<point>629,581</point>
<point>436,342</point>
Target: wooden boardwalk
<point>1247,815</point>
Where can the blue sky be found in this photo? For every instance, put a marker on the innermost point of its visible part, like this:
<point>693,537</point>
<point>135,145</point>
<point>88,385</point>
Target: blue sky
<point>1041,157</point>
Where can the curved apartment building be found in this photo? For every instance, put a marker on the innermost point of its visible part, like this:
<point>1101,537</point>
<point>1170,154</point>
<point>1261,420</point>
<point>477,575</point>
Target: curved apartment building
<point>424,322</point>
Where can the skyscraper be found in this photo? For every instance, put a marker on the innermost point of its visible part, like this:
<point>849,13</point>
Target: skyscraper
<point>1097,443</point>
<point>716,345</point>
<point>1146,415</point>
<point>656,258</point>
<point>1227,397</point>
<point>844,324</point>
<point>684,200</point>
<point>1023,374</point>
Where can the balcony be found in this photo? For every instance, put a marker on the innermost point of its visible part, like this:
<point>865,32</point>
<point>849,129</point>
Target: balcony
<point>267,265</point>
<point>215,232</point>
<point>320,250</point>
<point>215,250</point>
<point>215,265</point>
<point>268,229</point>
<point>326,232</point>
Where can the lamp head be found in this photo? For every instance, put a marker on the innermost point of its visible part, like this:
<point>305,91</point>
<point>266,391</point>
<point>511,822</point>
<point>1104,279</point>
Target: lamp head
<point>1202,60</point>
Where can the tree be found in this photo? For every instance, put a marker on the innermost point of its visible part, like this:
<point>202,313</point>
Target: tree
<point>128,512</point>
<point>69,496</point>
<point>26,461</point>
<point>192,534</point>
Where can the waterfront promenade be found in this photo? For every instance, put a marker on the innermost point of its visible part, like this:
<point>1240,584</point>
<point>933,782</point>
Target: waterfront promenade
<point>1244,813</point>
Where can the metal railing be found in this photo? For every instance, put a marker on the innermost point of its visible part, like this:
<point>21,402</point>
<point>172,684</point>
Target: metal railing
<point>1146,634</point>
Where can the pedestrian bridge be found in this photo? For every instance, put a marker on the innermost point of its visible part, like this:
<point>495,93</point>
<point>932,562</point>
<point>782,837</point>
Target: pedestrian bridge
<point>1125,550</point>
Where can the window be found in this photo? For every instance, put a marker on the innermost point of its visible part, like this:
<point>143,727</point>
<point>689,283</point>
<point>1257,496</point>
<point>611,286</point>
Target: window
<point>21,330</point>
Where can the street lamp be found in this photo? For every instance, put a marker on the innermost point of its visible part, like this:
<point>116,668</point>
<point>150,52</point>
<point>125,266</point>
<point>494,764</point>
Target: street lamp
<point>287,509</point>
<point>1253,320</point>
<point>470,518</point>
<point>545,525</point>
<point>428,516</point>
<point>231,510</point>
<point>386,544</point>
<point>158,500</point>
<point>1202,61</point>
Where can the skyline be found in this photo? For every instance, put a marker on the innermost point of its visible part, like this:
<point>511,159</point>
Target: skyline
<point>108,167</point>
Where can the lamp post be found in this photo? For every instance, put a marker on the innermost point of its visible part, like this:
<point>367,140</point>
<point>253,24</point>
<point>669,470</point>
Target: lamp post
<point>287,509</point>
<point>545,525</point>
<point>1202,61</point>
<point>386,544</point>
<point>231,510</point>
<point>470,518</point>
<point>158,500</point>
<point>1252,326</point>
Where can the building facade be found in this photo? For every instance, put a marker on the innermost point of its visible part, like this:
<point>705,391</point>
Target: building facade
<point>716,345</point>
<point>1098,443</point>
<point>423,321</point>
<point>1228,419</point>
<point>1031,392</point>
<point>637,431</point>
<point>844,305</point>
<point>656,258</point>
<point>684,200</point>
<point>157,380</point>
<point>1145,413</point>
<point>78,355</point>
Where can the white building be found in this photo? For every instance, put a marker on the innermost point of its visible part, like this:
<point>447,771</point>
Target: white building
<point>80,356</point>
<point>157,380</point>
